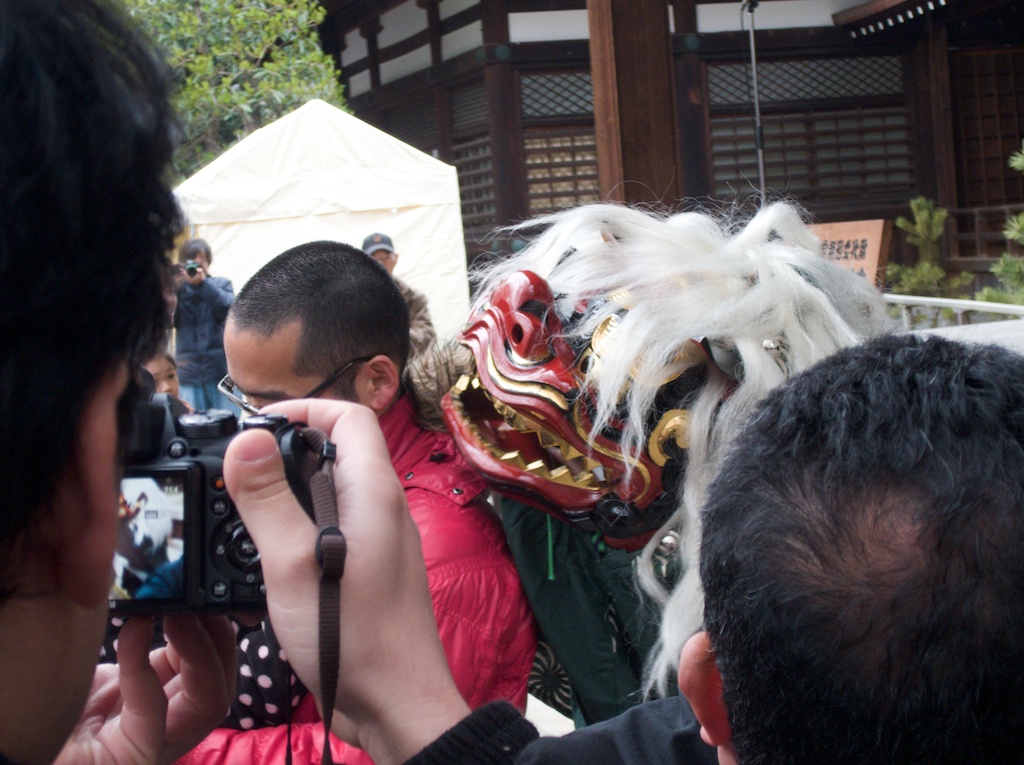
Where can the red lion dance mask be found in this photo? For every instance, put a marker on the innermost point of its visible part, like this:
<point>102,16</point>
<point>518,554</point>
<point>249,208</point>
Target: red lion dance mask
<point>617,355</point>
<point>525,418</point>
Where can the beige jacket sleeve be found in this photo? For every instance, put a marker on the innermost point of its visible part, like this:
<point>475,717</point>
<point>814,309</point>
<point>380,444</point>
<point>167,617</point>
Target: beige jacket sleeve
<point>421,330</point>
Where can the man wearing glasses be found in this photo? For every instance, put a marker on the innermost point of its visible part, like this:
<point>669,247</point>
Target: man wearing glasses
<point>323,320</point>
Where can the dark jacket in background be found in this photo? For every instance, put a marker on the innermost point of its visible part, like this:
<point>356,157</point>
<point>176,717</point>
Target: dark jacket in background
<point>199,319</point>
<point>585,598</point>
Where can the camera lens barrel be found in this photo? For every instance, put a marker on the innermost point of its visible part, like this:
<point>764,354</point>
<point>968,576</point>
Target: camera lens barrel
<point>269,421</point>
<point>214,423</point>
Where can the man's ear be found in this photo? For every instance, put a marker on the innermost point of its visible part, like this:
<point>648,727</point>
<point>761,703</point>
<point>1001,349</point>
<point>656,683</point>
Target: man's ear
<point>80,529</point>
<point>377,383</point>
<point>701,683</point>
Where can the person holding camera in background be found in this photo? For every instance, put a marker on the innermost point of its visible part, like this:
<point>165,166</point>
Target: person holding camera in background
<point>203,303</point>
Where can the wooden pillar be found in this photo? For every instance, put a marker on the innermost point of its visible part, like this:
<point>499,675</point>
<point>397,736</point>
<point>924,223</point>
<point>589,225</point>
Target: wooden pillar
<point>433,28</point>
<point>634,107</point>
<point>442,106</point>
<point>942,115</point>
<point>504,118</point>
<point>694,118</point>
<point>369,29</point>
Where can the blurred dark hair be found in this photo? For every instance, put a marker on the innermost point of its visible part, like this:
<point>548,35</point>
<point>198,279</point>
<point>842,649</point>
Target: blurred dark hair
<point>86,217</point>
<point>348,304</point>
<point>863,561</point>
<point>193,247</point>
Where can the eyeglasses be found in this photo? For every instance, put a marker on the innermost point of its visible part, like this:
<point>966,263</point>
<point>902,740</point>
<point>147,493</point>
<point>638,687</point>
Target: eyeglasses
<point>240,399</point>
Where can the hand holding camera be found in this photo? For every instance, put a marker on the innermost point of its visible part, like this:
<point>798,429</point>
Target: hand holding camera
<point>181,546</point>
<point>195,274</point>
<point>392,664</point>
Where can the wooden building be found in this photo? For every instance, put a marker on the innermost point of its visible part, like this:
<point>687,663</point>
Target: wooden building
<point>864,105</point>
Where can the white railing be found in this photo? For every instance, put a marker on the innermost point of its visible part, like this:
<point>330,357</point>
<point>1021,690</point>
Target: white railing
<point>962,308</point>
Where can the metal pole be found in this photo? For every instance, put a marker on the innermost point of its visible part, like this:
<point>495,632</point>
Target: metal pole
<point>750,5</point>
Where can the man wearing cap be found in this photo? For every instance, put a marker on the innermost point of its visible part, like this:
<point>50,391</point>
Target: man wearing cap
<point>421,330</point>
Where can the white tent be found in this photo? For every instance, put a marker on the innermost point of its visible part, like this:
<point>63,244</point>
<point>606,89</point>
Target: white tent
<point>320,173</point>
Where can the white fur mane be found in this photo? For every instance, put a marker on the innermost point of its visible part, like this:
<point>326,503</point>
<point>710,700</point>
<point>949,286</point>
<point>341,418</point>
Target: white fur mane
<point>760,292</point>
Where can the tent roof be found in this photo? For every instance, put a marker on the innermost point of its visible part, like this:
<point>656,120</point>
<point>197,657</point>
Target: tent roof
<point>317,160</point>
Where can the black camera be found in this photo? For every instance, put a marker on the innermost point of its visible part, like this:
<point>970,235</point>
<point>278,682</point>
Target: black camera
<point>181,545</point>
<point>191,267</point>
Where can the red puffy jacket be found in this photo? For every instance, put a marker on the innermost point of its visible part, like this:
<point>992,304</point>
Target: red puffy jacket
<point>486,627</point>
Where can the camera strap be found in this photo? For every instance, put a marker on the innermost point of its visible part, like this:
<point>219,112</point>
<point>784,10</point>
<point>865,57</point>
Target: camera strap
<point>331,550</point>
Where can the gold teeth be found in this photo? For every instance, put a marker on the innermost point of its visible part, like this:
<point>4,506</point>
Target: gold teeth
<point>577,469</point>
<point>464,383</point>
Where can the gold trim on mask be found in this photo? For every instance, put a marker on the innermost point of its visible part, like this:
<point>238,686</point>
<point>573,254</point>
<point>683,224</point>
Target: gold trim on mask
<point>539,390</point>
<point>601,338</point>
<point>638,467</point>
<point>675,424</point>
<point>526,363</point>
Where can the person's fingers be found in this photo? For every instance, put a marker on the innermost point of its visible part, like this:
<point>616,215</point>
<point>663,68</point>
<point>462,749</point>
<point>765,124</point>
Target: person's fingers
<point>385,600</point>
<point>222,633</point>
<point>254,474</point>
<point>353,427</point>
<point>363,473</point>
<point>285,538</point>
<point>202,652</point>
<point>199,669</point>
<point>144,712</point>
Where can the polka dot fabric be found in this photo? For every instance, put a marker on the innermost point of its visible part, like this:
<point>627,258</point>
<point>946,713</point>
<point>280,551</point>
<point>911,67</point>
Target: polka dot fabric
<point>266,684</point>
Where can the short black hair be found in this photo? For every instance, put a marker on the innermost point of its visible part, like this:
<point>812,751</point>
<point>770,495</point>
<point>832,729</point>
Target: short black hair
<point>86,217</point>
<point>347,303</point>
<point>863,561</point>
<point>192,247</point>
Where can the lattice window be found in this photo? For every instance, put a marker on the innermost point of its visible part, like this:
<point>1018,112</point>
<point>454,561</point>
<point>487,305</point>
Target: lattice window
<point>818,156</point>
<point>472,160</point>
<point>988,123</point>
<point>561,168</point>
<point>812,80</point>
<point>835,130</point>
<point>415,123</point>
<point>469,107</point>
<point>565,94</point>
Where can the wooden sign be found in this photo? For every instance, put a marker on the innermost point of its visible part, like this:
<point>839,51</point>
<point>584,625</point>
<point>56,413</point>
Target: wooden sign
<point>860,245</point>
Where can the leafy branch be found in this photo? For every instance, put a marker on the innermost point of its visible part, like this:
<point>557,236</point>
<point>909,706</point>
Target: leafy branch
<point>237,66</point>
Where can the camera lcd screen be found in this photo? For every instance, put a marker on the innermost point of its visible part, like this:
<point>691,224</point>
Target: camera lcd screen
<point>149,557</point>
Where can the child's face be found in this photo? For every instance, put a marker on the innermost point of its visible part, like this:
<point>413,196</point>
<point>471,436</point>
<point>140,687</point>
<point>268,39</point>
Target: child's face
<point>164,374</point>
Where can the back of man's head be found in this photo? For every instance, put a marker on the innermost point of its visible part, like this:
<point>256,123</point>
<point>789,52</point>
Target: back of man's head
<point>863,561</point>
<point>85,217</point>
<point>347,304</point>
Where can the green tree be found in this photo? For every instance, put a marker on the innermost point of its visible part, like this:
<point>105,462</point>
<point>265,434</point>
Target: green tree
<point>238,65</point>
<point>1010,268</point>
<point>926,277</point>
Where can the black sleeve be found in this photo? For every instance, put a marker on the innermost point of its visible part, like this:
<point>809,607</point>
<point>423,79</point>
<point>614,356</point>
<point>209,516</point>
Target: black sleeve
<point>494,734</point>
<point>663,732</point>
